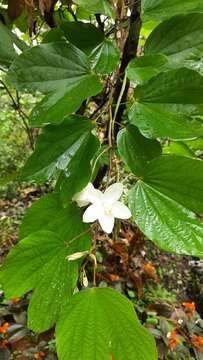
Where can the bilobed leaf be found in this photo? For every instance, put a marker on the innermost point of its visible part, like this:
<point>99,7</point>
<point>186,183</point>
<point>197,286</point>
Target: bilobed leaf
<point>155,112</point>
<point>105,57</point>
<point>97,7</point>
<point>54,107</point>
<point>60,147</point>
<point>164,204</point>
<point>181,86</point>
<point>171,226</point>
<point>47,67</point>
<point>7,50</point>
<point>60,70</point>
<point>180,38</point>
<point>164,9</point>
<point>102,52</point>
<point>142,69</point>
<point>179,178</point>
<point>38,262</point>
<point>84,36</point>
<point>136,150</point>
<point>46,214</point>
<point>107,328</point>
<point>159,120</point>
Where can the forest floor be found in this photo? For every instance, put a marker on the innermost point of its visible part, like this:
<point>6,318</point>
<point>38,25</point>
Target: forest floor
<point>165,289</point>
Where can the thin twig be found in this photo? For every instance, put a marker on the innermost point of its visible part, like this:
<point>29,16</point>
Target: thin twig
<point>23,116</point>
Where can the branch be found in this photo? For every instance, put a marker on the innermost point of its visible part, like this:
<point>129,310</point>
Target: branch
<point>21,113</point>
<point>129,52</point>
<point>122,84</point>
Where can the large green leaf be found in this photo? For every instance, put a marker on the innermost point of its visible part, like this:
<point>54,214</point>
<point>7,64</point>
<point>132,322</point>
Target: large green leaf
<point>48,67</point>
<point>38,262</point>
<point>159,120</point>
<point>54,107</point>
<point>84,36</point>
<point>180,38</point>
<point>171,226</point>
<point>136,150</point>
<point>8,42</point>
<point>97,7</point>
<point>69,147</point>
<point>164,103</point>
<point>179,178</point>
<point>142,69</point>
<point>46,214</point>
<point>163,9</point>
<point>105,324</point>
<point>60,70</point>
<point>181,86</point>
<point>103,53</point>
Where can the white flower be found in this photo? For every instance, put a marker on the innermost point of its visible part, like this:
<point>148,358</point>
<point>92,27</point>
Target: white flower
<point>106,207</point>
<point>84,197</point>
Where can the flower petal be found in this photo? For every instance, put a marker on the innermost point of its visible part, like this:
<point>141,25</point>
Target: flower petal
<point>113,192</point>
<point>91,214</point>
<point>106,222</point>
<point>121,211</point>
<point>82,198</point>
<point>95,196</point>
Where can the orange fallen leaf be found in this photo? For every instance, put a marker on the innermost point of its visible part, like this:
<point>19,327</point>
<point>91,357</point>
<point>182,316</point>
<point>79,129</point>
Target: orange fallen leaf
<point>15,300</point>
<point>4,328</point>
<point>150,270</point>
<point>39,355</point>
<point>114,277</point>
<point>189,306</point>
<point>173,340</point>
<point>197,342</point>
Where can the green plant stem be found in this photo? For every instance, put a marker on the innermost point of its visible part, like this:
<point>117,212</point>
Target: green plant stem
<point>118,105</point>
<point>98,157</point>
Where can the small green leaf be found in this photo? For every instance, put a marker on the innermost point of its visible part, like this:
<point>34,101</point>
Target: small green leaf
<point>38,262</point>
<point>97,7</point>
<point>180,38</point>
<point>164,105</point>
<point>164,9</point>
<point>145,67</point>
<point>105,57</point>
<point>178,148</point>
<point>60,70</point>
<point>136,150</point>
<point>78,173</point>
<point>105,323</point>
<point>171,226</point>
<point>63,147</point>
